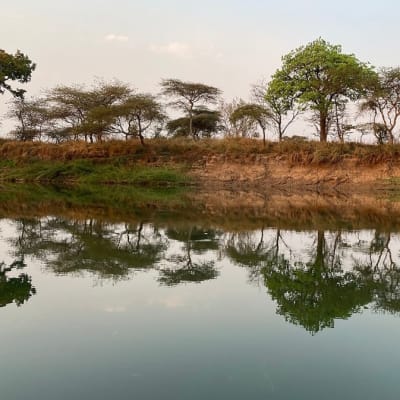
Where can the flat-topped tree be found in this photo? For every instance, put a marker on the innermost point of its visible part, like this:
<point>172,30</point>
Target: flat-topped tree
<point>17,67</point>
<point>187,95</point>
<point>205,123</point>
<point>317,76</point>
<point>137,114</point>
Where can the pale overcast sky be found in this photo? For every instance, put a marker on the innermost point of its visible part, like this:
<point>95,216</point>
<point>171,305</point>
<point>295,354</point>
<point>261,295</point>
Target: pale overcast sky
<point>226,43</point>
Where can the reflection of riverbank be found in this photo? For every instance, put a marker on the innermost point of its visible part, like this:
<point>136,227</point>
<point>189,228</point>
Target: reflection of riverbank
<point>224,209</point>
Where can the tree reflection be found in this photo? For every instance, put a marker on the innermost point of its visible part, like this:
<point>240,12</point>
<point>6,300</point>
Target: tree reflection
<point>321,284</point>
<point>71,247</point>
<point>315,293</point>
<point>15,289</point>
<point>245,250</point>
<point>332,277</point>
<point>195,241</point>
<point>381,272</point>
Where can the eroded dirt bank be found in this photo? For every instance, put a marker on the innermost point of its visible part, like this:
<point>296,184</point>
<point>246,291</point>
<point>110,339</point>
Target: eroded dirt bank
<point>261,172</point>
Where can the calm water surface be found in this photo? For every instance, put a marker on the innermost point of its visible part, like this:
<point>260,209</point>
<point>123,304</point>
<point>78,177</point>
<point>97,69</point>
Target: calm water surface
<point>147,310</point>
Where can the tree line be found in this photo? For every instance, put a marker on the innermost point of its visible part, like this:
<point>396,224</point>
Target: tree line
<point>317,82</point>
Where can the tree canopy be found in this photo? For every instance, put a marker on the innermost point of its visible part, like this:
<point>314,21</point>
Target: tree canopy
<point>253,112</point>
<point>383,103</point>
<point>17,67</point>
<point>186,95</point>
<point>318,74</point>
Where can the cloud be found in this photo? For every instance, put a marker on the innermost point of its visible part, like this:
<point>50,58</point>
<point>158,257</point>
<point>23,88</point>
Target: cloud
<point>116,38</point>
<point>176,49</point>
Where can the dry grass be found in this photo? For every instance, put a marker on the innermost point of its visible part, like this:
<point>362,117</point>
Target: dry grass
<point>184,150</point>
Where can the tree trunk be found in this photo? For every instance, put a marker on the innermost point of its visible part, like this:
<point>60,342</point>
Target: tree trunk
<point>140,133</point>
<point>391,137</point>
<point>264,142</point>
<point>323,127</point>
<point>191,125</point>
<point>191,122</point>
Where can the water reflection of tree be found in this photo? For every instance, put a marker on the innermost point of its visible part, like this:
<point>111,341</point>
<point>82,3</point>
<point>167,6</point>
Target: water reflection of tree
<point>315,293</point>
<point>68,246</point>
<point>380,270</point>
<point>195,241</point>
<point>245,250</point>
<point>15,289</point>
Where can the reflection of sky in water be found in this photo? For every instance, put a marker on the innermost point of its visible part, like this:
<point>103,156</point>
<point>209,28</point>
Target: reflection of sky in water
<point>88,335</point>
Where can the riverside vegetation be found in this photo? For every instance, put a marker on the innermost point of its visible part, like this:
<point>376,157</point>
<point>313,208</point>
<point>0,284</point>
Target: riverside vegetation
<point>73,134</point>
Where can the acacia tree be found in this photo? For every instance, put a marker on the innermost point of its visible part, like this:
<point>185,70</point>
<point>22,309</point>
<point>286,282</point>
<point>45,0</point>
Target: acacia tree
<point>253,112</point>
<point>136,115</point>
<point>205,123</point>
<point>383,103</point>
<point>187,95</point>
<point>86,112</point>
<point>317,75</point>
<point>17,67</point>
<point>32,118</point>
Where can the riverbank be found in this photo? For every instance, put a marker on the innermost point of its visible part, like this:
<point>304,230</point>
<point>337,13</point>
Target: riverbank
<point>220,164</point>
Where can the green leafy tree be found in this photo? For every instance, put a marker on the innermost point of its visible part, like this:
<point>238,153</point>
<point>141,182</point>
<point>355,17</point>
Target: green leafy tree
<point>187,95</point>
<point>316,76</point>
<point>17,67</point>
<point>282,109</point>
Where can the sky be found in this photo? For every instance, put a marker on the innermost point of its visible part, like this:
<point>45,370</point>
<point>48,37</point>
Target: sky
<point>226,43</point>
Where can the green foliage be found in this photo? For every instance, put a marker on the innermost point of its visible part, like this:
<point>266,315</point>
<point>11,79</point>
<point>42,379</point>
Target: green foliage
<point>318,74</point>
<point>186,95</point>
<point>205,123</point>
<point>253,112</point>
<point>15,289</point>
<point>136,115</point>
<point>17,67</point>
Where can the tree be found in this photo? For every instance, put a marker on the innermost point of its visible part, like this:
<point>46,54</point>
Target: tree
<point>239,128</point>
<point>204,124</point>
<point>383,103</point>
<point>254,112</point>
<point>317,75</point>
<point>32,118</point>
<point>187,95</point>
<point>86,112</point>
<point>137,114</point>
<point>282,109</point>
<point>17,67</point>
